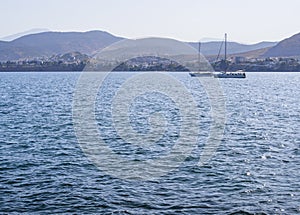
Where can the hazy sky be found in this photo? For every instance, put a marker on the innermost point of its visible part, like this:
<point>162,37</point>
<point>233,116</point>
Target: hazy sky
<point>246,21</point>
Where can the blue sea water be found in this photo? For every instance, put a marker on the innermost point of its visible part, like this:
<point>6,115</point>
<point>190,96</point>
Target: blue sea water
<point>255,169</point>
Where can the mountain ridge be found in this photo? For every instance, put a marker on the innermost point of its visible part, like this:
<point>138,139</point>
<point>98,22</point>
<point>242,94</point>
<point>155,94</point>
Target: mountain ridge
<point>20,34</point>
<point>53,43</point>
<point>46,44</point>
<point>213,47</point>
<point>289,47</point>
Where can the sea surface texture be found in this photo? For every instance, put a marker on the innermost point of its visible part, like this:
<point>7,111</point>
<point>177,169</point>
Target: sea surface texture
<point>255,169</point>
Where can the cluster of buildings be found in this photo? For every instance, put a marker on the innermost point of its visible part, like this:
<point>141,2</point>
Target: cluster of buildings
<point>76,61</point>
<point>266,64</point>
<point>270,64</point>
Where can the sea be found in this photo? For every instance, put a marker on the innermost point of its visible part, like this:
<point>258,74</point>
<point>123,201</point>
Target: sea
<point>254,168</point>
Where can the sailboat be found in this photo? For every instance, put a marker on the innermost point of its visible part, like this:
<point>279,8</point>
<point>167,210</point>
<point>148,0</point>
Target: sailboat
<point>225,74</point>
<point>200,73</point>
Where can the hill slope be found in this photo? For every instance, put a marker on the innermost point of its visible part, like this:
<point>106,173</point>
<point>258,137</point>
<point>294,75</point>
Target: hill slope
<point>52,43</point>
<point>289,47</point>
<point>212,48</point>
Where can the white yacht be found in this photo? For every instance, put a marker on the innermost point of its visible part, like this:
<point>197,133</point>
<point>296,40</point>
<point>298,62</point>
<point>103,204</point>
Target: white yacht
<point>200,73</point>
<point>236,74</point>
<point>225,73</point>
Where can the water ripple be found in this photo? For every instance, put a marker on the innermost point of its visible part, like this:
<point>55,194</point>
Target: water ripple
<point>255,170</point>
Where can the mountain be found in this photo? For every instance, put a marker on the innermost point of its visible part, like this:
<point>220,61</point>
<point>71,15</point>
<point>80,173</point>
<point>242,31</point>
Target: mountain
<point>32,31</point>
<point>9,51</point>
<point>289,47</point>
<point>46,44</point>
<point>53,43</point>
<point>212,48</point>
<point>257,53</point>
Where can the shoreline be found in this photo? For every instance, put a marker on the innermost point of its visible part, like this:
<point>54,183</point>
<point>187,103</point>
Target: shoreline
<point>78,71</point>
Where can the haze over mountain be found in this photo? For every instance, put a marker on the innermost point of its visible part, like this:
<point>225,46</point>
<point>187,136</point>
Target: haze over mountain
<point>17,35</point>
<point>52,43</point>
<point>212,48</point>
<point>210,39</point>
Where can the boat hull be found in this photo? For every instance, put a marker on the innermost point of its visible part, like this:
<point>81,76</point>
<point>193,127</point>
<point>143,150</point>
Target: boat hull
<point>201,74</point>
<point>230,75</point>
<point>219,74</point>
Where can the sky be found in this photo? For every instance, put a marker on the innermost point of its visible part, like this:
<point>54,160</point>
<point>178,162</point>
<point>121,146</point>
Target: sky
<point>245,21</point>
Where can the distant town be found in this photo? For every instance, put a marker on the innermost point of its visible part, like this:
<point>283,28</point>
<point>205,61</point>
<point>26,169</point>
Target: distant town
<point>269,64</point>
<point>66,62</point>
<point>76,61</point>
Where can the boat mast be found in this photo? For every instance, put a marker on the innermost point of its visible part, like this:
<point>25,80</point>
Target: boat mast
<point>199,49</point>
<point>225,52</point>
